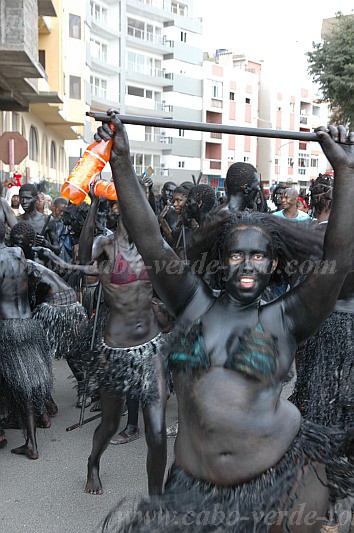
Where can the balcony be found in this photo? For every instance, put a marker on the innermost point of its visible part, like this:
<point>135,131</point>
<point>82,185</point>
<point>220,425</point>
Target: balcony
<point>144,40</point>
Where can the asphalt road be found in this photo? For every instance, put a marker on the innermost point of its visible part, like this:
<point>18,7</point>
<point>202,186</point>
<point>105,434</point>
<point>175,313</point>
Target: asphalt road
<point>46,496</point>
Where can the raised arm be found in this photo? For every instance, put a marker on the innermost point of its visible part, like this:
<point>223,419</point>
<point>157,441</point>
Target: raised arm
<point>308,305</point>
<point>10,218</point>
<point>172,280</point>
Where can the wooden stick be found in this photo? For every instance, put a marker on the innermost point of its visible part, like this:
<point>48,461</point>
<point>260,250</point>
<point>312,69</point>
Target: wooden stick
<point>206,126</point>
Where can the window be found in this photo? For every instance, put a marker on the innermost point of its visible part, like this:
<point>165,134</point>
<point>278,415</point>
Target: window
<point>216,89</point>
<point>183,36</point>
<point>53,155</point>
<point>290,161</point>
<point>136,91</point>
<point>98,50</point>
<point>75,87</point>
<point>180,164</point>
<point>74,26</point>
<point>179,9</point>
<point>33,145</point>
<point>98,13</point>
<point>15,121</point>
<point>41,57</point>
<point>98,87</point>
<point>314,162</point>
<point>248,100</point>
<point>246,159</point>
<point>232,96</point>
<point>303,163</point>
<point>148,94</point>
<point>292,107</point>
<point>181,133</point>
<point>141,64</point>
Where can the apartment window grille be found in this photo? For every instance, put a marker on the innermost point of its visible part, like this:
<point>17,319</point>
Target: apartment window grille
<point>74,26</point>
<point>53,155</point>
<point>75,87</point>
<point>33,144</point>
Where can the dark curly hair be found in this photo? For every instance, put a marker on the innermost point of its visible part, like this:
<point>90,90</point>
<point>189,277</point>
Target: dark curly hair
<point>30,187</point>
<point>25,231</point>
<point>204,194</point>
<point>238,175</point>
<point>75,216</point>
<point>321,191</point>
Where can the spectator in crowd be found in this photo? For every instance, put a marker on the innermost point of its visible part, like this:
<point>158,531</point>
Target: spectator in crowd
<point>289,199</point>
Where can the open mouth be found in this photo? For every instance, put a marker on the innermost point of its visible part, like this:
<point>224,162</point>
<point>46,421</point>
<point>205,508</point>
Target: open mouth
<point>247,282</point>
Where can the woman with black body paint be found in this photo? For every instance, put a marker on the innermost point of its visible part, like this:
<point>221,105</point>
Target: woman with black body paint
<point>240,447</point>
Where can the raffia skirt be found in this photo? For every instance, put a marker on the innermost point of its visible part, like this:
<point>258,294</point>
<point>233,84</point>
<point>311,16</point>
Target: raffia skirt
<point>26,377</point>
<point>63,319</point>
<point>194,505</point>
<point>324,390</point>
<point>129,370</point>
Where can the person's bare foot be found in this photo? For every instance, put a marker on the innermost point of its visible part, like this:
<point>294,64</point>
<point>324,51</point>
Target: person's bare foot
<point>93,483</point>
<point>27,450</point>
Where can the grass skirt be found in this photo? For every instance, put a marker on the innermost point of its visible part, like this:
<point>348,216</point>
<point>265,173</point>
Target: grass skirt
<point>193,505</point>
<point>128,370</point>
<point>62,324</point>
<point>324,390</point>
<point>25,367</point>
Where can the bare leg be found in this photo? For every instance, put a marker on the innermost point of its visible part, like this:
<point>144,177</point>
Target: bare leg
<point>131,431</point>
<point>308,513</point>
<point>112,407</point>
<point>29,449</point>
<point>155,434</point>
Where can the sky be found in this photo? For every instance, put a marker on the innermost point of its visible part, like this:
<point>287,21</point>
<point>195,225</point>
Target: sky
<point>276,29</point>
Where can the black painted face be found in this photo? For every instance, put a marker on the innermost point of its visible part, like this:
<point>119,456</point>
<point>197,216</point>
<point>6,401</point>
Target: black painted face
<point>167,193</point>
<point>27,201</point>
<point>250,263</point>
<point>251,190</point>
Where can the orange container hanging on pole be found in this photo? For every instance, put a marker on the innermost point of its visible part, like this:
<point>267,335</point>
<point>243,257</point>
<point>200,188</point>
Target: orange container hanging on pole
<point>105,189</point>
<point>92,162</point>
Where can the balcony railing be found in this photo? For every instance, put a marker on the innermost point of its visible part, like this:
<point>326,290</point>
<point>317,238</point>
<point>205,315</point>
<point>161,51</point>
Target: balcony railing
<point>145,70</point>
<point>214,135</point>
<point>144,35</point>
<point>158,138</point>
<point>160,4</point>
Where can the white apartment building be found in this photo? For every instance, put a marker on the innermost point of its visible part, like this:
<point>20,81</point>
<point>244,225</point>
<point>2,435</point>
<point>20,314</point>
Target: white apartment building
<point>145,59</point>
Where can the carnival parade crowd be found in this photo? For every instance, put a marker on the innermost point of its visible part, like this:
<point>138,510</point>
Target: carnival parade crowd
<point>217,300</point>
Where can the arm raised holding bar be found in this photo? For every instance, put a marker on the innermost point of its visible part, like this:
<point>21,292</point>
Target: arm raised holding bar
<point>206,126</point>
